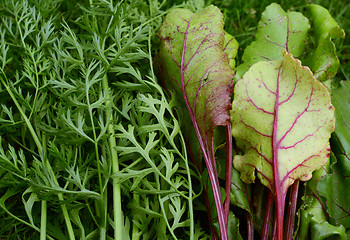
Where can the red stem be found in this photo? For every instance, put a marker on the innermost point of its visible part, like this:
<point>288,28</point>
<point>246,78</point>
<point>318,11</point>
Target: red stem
<point>206,149</point>
<point>250,226</point>
<point>228,171</point>
<point>280,201</point>
<point>293,197</point>
<point>279,189</point>
<point>274,229</point>
<point>214,235</point>
<point>267,217</point>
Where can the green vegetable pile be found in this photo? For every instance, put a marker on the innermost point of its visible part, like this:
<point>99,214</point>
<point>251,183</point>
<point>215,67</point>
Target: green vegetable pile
<point>117,121</point>
<point>90,147</point>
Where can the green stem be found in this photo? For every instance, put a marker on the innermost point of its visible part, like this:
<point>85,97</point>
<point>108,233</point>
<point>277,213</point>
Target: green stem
<point>189,198</point>
<point>102,204</point>
<point>103,228</point>
<point>41,153</point>
<point>2,206</point>
<point>29,125</point>
<point>63,206</point>
<point>135,228</point>
<point>43,220</point>
<point>43,202</point>
<point>117,204</point>
<point>103,200</point>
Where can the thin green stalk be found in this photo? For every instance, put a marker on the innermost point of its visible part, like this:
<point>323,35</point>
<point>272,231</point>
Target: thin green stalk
<point>41,152</point>
<point>22,221</point>
<point>163,222</point>
<point>63,206</point>
<point>135,228</point>
<point>43,220</point>
<point>102,204</point>
<point>103,228</point>
<point>117,204</point>
<point>103,200</point>
<point>43,202</point>
<point>189,198</point>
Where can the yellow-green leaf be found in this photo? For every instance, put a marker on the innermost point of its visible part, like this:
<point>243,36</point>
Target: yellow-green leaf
<point>282,118</point>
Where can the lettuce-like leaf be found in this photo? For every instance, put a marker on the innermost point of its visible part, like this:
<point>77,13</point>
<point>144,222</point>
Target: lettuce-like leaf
<point>282,118</point>
<point>335,188</point>
<point>277,31</point>
<point>313,218</point>
<point>341,139</point>
<point>324,61</point>
<point>195,64</point>
<point>318,230</point>
<point>335,185</point>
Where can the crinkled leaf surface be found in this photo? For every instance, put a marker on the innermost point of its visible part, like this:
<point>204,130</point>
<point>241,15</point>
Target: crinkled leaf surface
<point>277,30</point>
<point>335,185</point>
<point>341,139</point>
<point>313,221</point>
<point>193,63</point>
<point>310,229</point>
<point>335,188</point>
<point>324,61</point>
<point>282,119</point>
<point>325,230</point>
<point>318,229</point>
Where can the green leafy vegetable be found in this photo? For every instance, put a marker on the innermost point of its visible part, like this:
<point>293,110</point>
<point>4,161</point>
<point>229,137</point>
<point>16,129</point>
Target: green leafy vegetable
<point>91,146</point>
<point>292,141</point>
<point>324,61</point>
<point>73,79</point>
<point>194,63</point>
<point>192,46</point>
<point>240,195</point>
<point>334,186</point>
<point>314,221</point>
<point>277,30</point>
<point>341,140</point>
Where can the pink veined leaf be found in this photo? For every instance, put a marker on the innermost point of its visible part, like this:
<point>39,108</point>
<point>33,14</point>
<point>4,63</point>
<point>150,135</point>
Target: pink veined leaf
<point>282,118</point>
<point>277,31</point>
<point>195,64</point>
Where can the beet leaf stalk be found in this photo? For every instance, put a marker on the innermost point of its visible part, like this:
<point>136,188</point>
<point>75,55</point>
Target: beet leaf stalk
<point>196,67</point>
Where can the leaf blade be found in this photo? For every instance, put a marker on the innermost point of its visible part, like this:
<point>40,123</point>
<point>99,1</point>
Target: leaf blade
<point>285,108</point>
<point>324,61</point>
<point>277,31</point>
<point>194,64</point>
<point>282,119</point>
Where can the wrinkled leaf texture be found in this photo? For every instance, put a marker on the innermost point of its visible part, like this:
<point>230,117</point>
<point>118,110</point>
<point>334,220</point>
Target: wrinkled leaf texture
<point>335,185</point>
<point>324,61</point>
<point>313,218</point>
